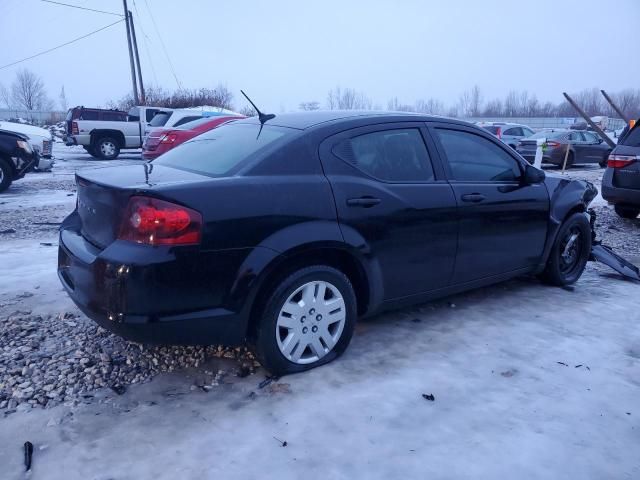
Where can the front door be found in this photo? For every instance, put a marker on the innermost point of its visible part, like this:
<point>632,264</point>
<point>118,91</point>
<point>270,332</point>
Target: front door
<point>503,223</point>
<point>393,202</point>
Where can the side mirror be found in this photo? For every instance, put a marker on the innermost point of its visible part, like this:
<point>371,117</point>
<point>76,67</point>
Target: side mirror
<point>600,140</point>
<point>533,175</point>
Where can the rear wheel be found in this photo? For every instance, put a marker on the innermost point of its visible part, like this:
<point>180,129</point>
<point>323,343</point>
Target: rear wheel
<point>6,175</point>
<point>570,252</point>
<point>627,211</point>
<point>107,148</point>
<point>91,151</point>
<point>307,321</point>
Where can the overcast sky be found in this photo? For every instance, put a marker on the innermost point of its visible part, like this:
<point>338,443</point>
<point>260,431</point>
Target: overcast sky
<point>285,52</point>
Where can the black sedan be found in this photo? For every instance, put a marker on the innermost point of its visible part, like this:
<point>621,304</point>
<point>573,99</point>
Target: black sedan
<point>284,233</point>
<point>583,146</point>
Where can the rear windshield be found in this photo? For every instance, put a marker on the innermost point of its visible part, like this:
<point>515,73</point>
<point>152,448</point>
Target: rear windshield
<point>548,134</point>
<point>159,119</point>
<point>491,129</point>
<point>223,149</point>
<point>633,137</point>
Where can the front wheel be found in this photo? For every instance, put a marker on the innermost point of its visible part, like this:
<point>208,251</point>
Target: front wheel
<point>627,211</point>
<point>570,252</point>
<point>307,321</point>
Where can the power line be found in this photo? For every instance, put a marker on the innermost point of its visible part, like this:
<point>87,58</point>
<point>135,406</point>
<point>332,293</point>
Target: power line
<point>60,46</point>
<point>145,44</point>
<point>81,8</point>
<point>163,46</point>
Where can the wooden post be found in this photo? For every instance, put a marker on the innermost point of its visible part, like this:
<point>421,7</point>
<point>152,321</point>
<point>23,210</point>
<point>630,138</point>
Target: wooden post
<point>566,155</point>
<point>143,99</point>
<point>614,106</point>
<point>133,68</point>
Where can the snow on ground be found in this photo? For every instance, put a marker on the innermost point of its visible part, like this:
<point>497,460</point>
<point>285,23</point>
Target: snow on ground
<point>529,382</point>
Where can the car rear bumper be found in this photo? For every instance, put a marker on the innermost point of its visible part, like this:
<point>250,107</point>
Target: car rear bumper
<point>148,294</point>
<point>150,155</point>
<point>617,195</point>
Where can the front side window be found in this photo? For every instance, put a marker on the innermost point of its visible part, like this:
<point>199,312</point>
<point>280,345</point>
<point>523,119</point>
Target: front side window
<point>590,137</point>
<point>514,131</point>
<point>576,137</point>
<point>398,155</point>
<point>159,119</point>
<point>473,158</point>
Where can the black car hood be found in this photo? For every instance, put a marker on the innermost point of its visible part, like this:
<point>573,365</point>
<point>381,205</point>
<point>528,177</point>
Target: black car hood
<point>21,136</point>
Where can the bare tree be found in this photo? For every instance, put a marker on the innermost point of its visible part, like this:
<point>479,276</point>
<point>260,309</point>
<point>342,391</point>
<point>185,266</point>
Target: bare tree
<point>248,111</point>
<point>28,92</point>
<point>470,102</point>
<point>5,97</point>
<point>313,105</point>
<point>431,106</point>
<point>493,108</point>
<point>347,99</point>
<point>395,105</point>
<point>63,100</point>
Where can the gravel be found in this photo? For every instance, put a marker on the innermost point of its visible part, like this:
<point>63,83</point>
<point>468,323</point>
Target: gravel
<point>47,360</point>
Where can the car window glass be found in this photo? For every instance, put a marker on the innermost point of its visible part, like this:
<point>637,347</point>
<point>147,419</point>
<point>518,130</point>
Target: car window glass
<point>150,113</point>
<point>576,137</point>
<point>159,119</point>
<point>509,131</point>
<point>472,158</point>
<point>184,120</point>
<point>632,139</point>
<point>398,155</point>
<point>590,137</point>
<point>526,132</point>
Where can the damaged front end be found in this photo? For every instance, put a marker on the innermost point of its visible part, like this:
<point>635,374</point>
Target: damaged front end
<point>604,254</point>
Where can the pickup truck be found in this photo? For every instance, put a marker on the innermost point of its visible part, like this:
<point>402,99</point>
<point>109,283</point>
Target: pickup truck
<point>105,138</point>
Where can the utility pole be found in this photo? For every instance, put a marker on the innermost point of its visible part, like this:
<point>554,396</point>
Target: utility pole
<point>133,68</point>
<point>135,50</point>
<point>587,118</point>
<point>614,106</point>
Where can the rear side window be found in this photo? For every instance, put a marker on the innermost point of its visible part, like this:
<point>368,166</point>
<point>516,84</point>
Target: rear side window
<point>223,149</point>
<point>633,137</point>
<point>184,120</point>
<point>473,158</point>
<point>89,115</point>
<point>514,131</point>
<point>160,119</point>
<point>398,155</point>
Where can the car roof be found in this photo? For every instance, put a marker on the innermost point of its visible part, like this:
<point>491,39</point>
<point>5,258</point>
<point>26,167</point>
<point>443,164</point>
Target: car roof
<point>305,120</point>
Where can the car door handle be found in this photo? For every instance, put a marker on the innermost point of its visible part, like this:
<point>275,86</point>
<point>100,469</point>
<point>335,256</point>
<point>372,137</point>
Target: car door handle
<point>473,197</point>
<point>365,202</point>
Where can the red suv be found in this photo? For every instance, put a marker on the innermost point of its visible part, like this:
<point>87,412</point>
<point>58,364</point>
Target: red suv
<point>161,140</point>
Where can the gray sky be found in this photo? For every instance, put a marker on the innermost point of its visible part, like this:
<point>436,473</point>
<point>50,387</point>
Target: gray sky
<point>284,52</point>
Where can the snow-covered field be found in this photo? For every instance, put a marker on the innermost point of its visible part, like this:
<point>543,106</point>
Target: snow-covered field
<point>528,382</point>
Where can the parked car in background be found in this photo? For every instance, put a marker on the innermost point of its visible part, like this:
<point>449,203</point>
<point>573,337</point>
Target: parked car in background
<point>40,139</point>
<point>621,179</point>
<point>174,118</point>
<point>105,138</point>
<point>161,140</point>
<point>17,157</point>
<point>285,232</point>
<point>509,133</point>
<point>584,147</point>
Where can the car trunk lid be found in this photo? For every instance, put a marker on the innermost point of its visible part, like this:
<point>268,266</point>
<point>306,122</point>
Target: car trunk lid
<point>628,175</point>
<point>104,193</point>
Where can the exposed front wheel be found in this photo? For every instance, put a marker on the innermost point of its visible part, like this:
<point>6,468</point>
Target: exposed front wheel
<point>570,251</point>
<point>6,175</point>
<point>627,211</point>
<point>308,320</point>
<point>107,148</point>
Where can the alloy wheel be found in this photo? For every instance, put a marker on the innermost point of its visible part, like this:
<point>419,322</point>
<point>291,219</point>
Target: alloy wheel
<point>570,250</point>
<point>310,322</point>
<point>108,149</point>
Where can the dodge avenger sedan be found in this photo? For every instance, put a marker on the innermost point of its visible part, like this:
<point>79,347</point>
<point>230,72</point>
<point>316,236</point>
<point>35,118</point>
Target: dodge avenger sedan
<point>282,231</point>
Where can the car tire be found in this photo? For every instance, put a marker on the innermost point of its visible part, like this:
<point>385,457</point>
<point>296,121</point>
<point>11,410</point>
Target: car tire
<point>295,331</point>
<point>568,257</point>
<point>627,211</point>
<point>6,175</point>
<point>107,148</point>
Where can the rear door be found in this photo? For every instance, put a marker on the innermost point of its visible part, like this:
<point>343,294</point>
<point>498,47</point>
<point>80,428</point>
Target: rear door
<point>393,201</point>
<point>503,223</point>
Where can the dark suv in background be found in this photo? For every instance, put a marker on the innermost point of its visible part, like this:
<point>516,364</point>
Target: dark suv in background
<point>621,180</point>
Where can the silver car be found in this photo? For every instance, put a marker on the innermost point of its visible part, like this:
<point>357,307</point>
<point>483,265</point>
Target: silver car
<point>509,133</point>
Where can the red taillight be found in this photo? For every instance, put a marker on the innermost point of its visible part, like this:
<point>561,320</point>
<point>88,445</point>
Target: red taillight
<point>74,128</point>
<point>168,138</point>
<point>553,144</point>
<point>499,133</point>
<point>156,222</point>
<point>619,161</point>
